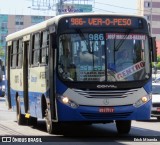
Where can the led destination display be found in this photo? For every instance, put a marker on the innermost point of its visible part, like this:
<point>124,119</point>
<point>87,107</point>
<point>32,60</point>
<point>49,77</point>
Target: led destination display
<point>109,21</point>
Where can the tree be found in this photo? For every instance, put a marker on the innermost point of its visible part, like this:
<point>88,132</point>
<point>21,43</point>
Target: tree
<point>2,53</point>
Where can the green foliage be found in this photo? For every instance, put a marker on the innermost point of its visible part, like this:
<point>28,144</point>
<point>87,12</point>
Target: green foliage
<point>158,63</point>
<point>1,52</point>
<point>158,58</point>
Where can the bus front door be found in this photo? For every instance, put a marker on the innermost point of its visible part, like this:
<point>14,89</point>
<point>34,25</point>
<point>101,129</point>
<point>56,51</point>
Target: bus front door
<point>8,65</point>
<point>25,75</point>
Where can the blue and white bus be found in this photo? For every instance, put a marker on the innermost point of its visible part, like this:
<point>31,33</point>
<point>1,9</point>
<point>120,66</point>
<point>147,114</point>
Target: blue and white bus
<point>81,68</point>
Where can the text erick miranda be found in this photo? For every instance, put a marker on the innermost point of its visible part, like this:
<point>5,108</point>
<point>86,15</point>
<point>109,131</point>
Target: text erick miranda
<point>145,139</point>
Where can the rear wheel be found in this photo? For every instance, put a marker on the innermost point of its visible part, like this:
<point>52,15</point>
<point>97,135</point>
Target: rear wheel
<point>20,117</point>
<point>123,126</point>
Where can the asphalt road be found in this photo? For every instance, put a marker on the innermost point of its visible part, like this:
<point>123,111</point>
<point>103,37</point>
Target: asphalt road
<point>142,132</point>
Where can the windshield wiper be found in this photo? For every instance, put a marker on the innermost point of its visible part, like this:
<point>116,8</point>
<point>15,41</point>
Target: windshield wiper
<point>116,48</point>
<point>85,40</point>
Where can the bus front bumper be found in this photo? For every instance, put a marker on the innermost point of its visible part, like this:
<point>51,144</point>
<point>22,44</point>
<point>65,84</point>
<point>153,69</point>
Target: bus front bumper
<point>102,114</point>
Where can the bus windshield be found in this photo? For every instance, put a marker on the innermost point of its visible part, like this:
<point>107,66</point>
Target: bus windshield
<point>103,57</point>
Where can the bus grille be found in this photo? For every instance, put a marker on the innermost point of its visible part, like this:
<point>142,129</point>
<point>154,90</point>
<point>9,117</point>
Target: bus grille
<point>156,104</point>
<point>105,93</point>
<point>107,116</point>
<point>155,113</point>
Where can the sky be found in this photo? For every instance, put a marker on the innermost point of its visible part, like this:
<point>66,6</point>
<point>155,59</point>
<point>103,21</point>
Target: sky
<point>23,7</point>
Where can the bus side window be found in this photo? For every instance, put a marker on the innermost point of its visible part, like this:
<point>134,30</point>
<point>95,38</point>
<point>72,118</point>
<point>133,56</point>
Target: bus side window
<point>36,49</point>
<point>44,48</point>
<point>14,55</point>
<point>11,56</point>
<point>19,54</point>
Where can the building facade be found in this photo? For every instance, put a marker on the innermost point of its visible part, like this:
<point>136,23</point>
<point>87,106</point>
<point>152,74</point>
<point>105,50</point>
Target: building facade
<point>12,23</point>
<point>151,10</point>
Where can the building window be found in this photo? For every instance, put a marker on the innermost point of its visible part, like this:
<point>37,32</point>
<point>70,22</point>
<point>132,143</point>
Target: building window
<point>37,19</point>
<point>3,38</point>
<point>4,25</point>
<point>19,23</point>
<point>19,20</point>
<point>147,4</point>
<point>148,17</point>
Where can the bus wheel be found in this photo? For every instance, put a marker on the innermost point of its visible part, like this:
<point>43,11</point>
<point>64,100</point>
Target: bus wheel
<point>20,117</point>
<point>49,123</point>
<point>123,126</point>
<point>158,118</point>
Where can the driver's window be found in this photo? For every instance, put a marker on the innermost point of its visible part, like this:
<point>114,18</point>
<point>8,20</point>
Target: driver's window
<point>65,54</point>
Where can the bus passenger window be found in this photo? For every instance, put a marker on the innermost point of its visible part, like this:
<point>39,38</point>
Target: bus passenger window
<point>36,49</point>
<point>44,48</point>
<point>14,55</point>
<point>19,53</point>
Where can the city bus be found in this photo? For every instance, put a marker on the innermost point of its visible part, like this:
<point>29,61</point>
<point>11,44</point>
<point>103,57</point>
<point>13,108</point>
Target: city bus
<point>2,78</point>
<point>81,68</point>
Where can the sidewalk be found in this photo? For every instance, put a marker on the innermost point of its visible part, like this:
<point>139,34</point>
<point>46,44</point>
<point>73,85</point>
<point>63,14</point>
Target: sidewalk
<point>6,114</point>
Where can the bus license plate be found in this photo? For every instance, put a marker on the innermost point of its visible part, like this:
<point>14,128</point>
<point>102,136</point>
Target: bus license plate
<point>106,110</point>
<point>158,109</point>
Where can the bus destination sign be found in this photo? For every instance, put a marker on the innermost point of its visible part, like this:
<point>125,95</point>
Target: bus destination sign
<point>109,21</point>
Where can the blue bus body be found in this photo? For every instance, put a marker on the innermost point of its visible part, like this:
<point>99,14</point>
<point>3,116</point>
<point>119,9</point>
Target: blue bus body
<point>94,89</point>
<point>85,113</point>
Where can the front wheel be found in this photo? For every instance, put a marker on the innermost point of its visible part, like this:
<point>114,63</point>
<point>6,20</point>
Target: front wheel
<point>123,126</point>
<point>48,119</point>
<point>51,127</point>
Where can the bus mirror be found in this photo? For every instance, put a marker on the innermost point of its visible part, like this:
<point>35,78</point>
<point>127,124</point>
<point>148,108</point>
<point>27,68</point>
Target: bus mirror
<point>153,49</point>
<point>3,68</point>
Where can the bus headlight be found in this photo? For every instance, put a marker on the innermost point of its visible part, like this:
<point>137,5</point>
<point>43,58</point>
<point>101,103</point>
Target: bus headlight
<point>67,101</point>
<point>3,87</point>
<point>142,101</point>
<point>3,77</point>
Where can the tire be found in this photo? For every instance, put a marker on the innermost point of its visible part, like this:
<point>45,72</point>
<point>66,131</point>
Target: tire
<point>51,127</point>
<point>20,117</point>
<point>48,119</point>
<point>123,126</point>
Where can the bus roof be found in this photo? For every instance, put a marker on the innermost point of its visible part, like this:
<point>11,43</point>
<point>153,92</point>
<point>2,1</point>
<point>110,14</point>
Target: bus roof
<point>46,23</point>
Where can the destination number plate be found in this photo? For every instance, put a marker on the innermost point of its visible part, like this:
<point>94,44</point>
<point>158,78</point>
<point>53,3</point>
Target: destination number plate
<point>158,109</point>
<point>106,109</point>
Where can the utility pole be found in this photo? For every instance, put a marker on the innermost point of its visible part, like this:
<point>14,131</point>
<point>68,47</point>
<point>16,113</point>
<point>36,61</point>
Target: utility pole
<point>151,18</point>
<point>61,6</point>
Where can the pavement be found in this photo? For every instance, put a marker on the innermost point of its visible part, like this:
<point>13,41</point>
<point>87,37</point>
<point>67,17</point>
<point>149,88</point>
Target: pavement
<point>6,114</point>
